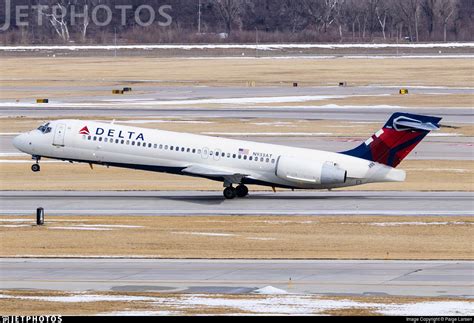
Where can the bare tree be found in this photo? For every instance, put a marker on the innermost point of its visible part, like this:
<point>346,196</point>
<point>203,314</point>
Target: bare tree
<point>57,16</point>
<point>321,12</point>
<point>445,11</point>
<point>409,13</point>
<point>428,8</point>
<point>229,11</point>
<point>382,12</point>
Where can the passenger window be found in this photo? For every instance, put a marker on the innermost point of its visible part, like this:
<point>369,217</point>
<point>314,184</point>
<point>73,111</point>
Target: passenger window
<point>267,160</point>
<point>122,141</point>
<point>177,148</point>
<point>245,157</point>
<point>228,155</point>
<point>154,146</point>
<point>250,158</point>
<point>128,142</point>
<point>166,147</point>
<point>240,157</point>
<point>182,149</point>
<point>171,147</point>
<point>188,150</point>
<point>194,150</point>
<point>210,153</point>
<point>100,138</point>
<point>261,159</point>
<point>273,161</point>
<point>138,143</point>
<point>161,146</point>
<point>95,138</point>
<point>233,155</point>
<point>106,139</point>
<point>89,138</point>
<point>133,143</point>
<point>116,141</point>
<point>199,151</point>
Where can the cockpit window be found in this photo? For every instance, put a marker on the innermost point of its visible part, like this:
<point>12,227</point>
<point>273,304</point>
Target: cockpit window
<point>45,128</point>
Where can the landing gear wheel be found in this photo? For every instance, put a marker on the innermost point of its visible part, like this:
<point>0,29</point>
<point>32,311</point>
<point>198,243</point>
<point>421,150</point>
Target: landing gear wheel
<point>229,192</point>
<point>241,190</point>
<point>35,168</point>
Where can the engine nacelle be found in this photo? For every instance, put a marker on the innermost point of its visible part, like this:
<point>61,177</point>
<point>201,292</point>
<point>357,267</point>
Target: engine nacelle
<point>310,172</point>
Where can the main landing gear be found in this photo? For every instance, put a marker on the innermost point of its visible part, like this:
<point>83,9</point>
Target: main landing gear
<point>240,191</point>
<point>36,167</point>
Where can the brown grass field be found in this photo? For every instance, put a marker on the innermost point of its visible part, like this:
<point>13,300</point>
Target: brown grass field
<point>167,304</point>
<point>442,72</point>
<point>265,237</point>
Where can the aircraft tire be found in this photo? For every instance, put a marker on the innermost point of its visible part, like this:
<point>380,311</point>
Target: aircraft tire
<point>229,193</point>
<point>241,190</point>
<point>35,168</point>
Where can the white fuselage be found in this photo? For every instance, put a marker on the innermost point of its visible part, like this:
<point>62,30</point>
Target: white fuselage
<point>166,151</point>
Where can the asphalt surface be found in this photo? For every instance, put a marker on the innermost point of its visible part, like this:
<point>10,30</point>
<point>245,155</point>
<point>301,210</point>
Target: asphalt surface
<point>329,277</point>
<point>156,203</point>
<point>450,116</point>
<point>187,101</point>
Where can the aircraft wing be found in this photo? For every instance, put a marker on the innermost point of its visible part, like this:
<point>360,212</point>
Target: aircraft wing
<point>209,171</point>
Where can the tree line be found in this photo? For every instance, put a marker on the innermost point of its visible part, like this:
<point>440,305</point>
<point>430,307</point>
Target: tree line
<point>194,21</point>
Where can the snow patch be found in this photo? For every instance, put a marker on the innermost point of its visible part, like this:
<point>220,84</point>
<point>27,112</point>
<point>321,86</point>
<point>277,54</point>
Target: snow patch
<point>270,290</point>
<point>392,224</point>
<point>262,47</point>
<point>163,121</point>
<point>80,228</point>
<point>211,234</point>
<point>270,134</point>
<point>141,313</point>
<point>443,134</point>
<point>14,225</point>
<point>429,309</point>
<point>111,226</point>
<point>20,161</point>
<point>16,220</point>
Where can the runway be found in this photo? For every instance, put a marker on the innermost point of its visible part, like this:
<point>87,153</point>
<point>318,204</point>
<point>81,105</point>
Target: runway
<point>329,277</point>
<point>454,115</point>
<point>229,102</point>
<point>194,203</point>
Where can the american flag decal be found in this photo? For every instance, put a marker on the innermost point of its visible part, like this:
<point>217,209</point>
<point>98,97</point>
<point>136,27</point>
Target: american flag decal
<point>243,151</point>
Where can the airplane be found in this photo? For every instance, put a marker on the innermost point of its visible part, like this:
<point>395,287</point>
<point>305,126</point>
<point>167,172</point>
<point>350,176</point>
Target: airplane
<point>232,162</point>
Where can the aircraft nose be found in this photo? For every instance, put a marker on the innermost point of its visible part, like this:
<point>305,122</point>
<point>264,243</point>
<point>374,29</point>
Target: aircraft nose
<point>20,142</point>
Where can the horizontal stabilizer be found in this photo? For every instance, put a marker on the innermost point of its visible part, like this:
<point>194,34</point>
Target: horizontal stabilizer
<point>404,123</point>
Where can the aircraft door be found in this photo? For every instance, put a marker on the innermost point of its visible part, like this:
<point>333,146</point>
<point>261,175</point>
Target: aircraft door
<point>59,133</point>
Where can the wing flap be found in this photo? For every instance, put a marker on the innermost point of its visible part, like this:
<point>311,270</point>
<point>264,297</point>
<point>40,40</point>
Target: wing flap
<point>208,171</point>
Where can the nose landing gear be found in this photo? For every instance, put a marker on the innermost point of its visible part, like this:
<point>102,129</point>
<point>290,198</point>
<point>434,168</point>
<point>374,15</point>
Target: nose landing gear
<point>36,167</point>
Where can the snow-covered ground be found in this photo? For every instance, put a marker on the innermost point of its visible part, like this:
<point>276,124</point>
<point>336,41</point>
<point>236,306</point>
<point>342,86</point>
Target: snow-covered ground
<point>263,47</point>
<point>272,300</point>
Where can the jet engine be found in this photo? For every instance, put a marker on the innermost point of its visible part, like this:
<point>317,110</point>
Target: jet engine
<point>311,172</point>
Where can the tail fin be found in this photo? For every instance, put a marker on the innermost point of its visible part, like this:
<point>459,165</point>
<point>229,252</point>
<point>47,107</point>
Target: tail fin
<point>398,137</point>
